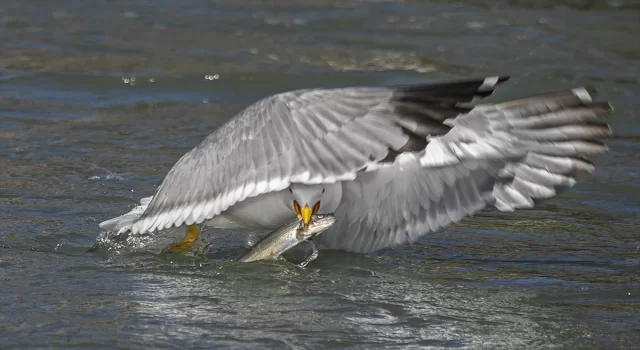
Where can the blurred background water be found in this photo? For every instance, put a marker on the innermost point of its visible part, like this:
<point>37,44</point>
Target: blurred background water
<point>99,99</point>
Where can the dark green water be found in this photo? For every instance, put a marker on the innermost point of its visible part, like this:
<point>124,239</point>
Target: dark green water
<point>81,141</point>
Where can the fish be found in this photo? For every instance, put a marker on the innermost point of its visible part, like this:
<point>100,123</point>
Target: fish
<point>286,237</point>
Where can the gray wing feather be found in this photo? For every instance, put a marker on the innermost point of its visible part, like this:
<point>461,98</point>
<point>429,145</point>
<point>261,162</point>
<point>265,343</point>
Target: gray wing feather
<point>310,136</point>
<point>508,155</point>
<point>396,205</point>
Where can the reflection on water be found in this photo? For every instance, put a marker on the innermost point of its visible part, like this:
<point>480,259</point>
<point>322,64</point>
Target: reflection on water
<point>97,103</point>
<point>358,306</point>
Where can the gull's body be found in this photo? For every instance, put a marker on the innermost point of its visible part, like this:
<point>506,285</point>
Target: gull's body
<point>392,164</point>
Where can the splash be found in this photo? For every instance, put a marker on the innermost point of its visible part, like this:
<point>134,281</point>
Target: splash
<point>156,243</point>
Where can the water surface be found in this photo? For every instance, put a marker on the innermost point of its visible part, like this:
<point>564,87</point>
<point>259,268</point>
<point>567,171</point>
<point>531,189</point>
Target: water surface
<point>98,102</point>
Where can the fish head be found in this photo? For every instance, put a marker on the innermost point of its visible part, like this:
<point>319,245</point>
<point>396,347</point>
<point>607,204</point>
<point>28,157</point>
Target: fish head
<point>318,224</point>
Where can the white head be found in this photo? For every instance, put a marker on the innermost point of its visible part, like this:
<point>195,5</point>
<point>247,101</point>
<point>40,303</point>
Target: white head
<point>314,199</point>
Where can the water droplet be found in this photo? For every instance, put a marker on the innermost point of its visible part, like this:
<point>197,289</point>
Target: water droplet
<point>152,80</point>
<point>126,81</point>
<point>216,76</point>
<point>616,3</point>
<point>61,15</point>
<point>476,25</point>
<point>130,14</point>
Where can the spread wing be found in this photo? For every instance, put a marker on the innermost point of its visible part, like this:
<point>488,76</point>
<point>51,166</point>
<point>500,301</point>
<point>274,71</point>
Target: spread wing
<point>509,155</point>
<point>309,136</point>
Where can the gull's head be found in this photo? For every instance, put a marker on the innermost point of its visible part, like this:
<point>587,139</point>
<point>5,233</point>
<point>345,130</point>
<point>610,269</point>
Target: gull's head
<point>307,200</point>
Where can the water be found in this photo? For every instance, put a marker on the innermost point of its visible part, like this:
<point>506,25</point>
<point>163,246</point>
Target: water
<point>97,103</point>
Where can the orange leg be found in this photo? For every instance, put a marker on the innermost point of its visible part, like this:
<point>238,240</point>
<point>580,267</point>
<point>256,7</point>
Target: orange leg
<point>190,237</point>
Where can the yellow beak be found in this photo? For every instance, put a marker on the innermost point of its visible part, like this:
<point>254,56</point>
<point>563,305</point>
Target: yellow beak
<point>305,213</point>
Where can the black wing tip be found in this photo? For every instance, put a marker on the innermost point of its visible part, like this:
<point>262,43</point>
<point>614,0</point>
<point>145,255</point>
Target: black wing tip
<point>489,85</point>
<point>461,90</point>
<point>586,94</point>
<point>601,107</point>
<point>591,90</point>
<point>485,83</point>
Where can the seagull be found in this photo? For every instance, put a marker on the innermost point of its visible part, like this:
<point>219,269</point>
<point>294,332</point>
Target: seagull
<point>392,163</point>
